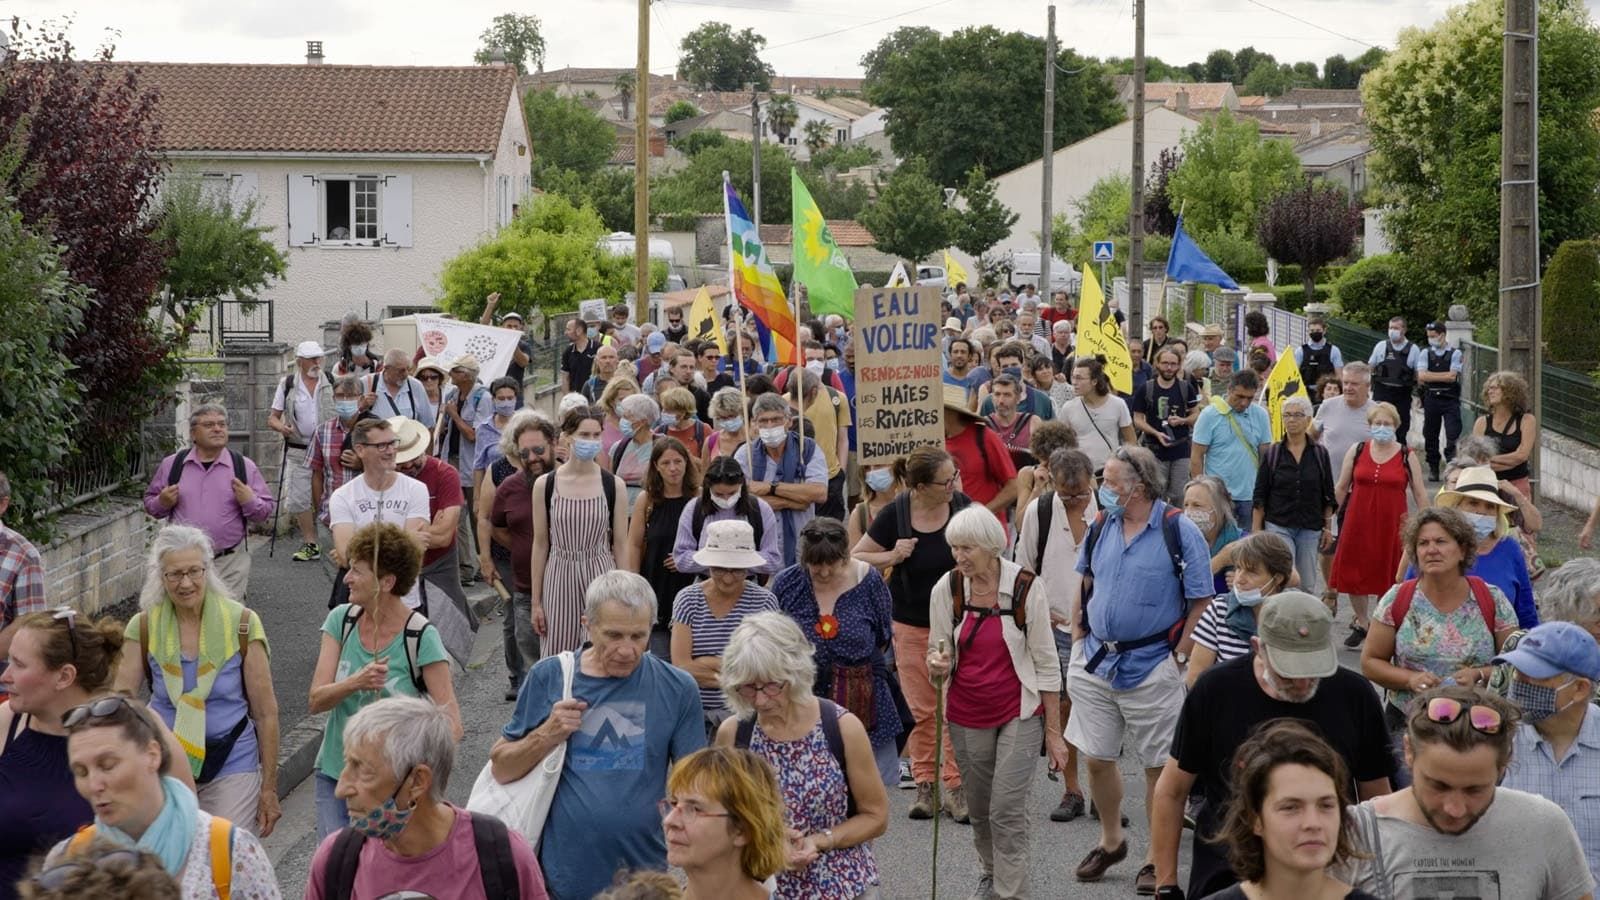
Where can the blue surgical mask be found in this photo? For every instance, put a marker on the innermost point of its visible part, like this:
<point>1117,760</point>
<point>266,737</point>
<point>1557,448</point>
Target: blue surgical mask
<point>594,333</point>
<point>358,349</point>
<point>505,407</point>
<point>346,409</point>
<point>585,450</point>
<point>626,427</point>
<point>1482,525</point>
<point>880,479</point>
<point>1396,335</point>
<point>833,365</point>
<point>668,420</point>
<point>1248,596</point>
<point>731,425</point>
<point>1383,434</point>
<point>1013,371</point>
<point>1109,500</point>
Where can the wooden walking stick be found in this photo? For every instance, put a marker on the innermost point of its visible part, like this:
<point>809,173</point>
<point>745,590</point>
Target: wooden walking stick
<point>938,771</point>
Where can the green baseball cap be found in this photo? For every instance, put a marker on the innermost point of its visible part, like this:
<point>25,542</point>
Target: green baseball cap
<point>1296,632</point>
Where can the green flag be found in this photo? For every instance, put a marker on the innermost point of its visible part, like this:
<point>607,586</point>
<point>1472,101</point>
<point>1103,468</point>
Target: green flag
<point>819,264</point>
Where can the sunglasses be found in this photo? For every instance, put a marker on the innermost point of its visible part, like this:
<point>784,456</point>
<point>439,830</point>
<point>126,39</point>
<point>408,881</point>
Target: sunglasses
<point>58,876</point>
<point>70,616</point>
<point>1446,710</point>
<point>103,708</point>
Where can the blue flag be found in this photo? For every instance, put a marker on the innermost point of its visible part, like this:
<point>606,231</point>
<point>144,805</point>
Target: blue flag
<point>1187,262</point>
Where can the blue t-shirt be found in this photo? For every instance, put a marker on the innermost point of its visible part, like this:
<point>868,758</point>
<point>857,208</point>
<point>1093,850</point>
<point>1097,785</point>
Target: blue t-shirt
<point>1227,458</point>
<point>1506,568</point>
<point>604,814</point>
<point>1136,594</point>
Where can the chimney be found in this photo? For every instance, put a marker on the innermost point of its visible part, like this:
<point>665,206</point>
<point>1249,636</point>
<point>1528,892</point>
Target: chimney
<point>1182,101</point>
<point>1316,128</point>
<point>497,56</point>
<point>313,53</point>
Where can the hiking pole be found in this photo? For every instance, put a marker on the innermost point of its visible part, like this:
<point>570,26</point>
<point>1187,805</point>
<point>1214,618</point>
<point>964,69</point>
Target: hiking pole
<point>283,463</point>
<point>938,771</point>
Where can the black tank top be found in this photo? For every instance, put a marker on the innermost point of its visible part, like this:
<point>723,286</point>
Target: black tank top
<point>1508,441</point>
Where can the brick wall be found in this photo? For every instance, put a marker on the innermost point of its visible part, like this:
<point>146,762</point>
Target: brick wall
<point>98,559</point>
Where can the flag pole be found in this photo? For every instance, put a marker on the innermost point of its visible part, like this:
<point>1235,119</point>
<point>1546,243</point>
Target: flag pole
<point>738,319</point>
<point>1163,295</point>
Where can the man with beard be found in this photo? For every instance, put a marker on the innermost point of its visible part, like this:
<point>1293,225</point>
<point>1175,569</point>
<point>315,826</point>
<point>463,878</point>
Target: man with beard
<point>1453,832</point>
<point>1291,672</point>
<point>510,526</point>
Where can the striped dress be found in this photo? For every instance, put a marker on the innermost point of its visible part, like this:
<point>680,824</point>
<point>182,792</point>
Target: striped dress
<point>711,632</point>
<point>580,551</point>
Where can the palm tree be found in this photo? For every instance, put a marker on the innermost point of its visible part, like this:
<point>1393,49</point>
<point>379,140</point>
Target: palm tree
<point>818,135</point>
<point>782,114</point>
<point>624,85</point>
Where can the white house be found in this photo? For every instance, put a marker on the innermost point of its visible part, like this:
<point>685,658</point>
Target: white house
<point>370,177</point>
<point>837,120</point>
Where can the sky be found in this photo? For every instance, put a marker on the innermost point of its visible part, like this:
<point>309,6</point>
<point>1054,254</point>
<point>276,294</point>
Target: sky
<point>804,37</point>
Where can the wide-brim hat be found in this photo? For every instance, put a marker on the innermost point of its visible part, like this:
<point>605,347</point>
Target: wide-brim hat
<point>429,362</point>
<point>730,544</point>
<point>413,439</point>
<point>1479,483</point>
<point>468,362</point>
<point>955,400</point>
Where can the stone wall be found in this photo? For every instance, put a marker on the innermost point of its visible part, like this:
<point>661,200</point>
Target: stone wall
<point>1569,471</point>
<point>97,560</point>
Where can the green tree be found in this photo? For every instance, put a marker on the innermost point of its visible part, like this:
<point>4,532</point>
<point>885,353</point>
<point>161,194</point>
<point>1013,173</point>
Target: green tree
<point>1572,304</point>
<point>782,114</point>
<point>680,110</point>
<point>817,136</point>
<point>519,37</point>
<point>624,84</point>
<point>1160,216</point>
<point>696,141</point>
<point>1247,59</point>
<point>566,135</point>
<point>950,98</point>
<point>1228,172</point>
<point>1269,79</point>
<point>716,58</point>
<point>1221,66</point>
<point>609,191</point>
<point>1377,288</point>
<point>838,198</point>
<point>697,188</point>
<point>1306,75</point>
<point>843,157</point>
<point>1433,107</point>
<point>984,221</point>
<point>1310,226</point>
<point>909,219</point>
<point>214,250</point>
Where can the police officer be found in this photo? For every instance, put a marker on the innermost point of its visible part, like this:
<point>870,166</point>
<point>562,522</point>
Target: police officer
<point>1395,363</point>
<point>1316,358</point>
<point>1439,372</point>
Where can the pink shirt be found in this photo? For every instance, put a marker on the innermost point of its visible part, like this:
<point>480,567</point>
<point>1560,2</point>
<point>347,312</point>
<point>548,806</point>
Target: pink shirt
<point>448,872</point>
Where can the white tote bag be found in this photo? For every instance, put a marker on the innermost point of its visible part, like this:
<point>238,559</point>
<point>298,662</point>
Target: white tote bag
<point>524,804</point>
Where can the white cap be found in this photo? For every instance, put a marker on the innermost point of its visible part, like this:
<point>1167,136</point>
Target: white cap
<point>309,350</point>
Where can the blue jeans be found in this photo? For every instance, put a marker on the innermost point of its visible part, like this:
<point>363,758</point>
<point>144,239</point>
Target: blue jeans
<point>1241,513</point>
<point>1306,543</point>
<point>332,815</point>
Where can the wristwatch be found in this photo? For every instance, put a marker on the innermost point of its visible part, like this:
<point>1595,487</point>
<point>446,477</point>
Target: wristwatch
<point>1181,657</point>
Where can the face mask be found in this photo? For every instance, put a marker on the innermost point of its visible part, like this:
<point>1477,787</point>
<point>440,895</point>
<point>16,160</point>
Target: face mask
<point>1537,701</point>
<point>358,349</point>
<point>1437,342</point>
<point>626,427</point>
<point>1396,335</point>
<point>1013,371</point>
<point>731,425</point>
<point>1109,501</point>
<point>816,367</point>
<point>1316,337</point>
<point>832,365</point>
<point>345,409</point>
<point>774,436</point>
<point>1383,434</point>
<point>1481,524</point>
<point>1248,597</point>
<point>1200,517</point>
<point>586,450</point>
<point>386,820</point>
<point>880,479</point>
<point>505,407</point>
<point>668,420</point>
<point>724,502</point>
<point>593,333</point>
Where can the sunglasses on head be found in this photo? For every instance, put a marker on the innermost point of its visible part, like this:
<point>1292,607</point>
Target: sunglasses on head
<point>1446,710</point>
<point>103,708</point>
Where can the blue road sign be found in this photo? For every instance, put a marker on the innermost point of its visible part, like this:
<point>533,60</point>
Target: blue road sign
<point>1104,251</point>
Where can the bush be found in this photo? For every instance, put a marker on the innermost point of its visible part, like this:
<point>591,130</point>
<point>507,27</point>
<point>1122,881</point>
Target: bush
<point>1380,287</point>
<point>1293,296</point>
<point>1234,252</point>
<point>1572,303</point>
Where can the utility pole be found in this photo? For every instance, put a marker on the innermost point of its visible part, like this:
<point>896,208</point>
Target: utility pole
<point>1135,312</point>
<point>1520,325</point>
<point>1049,151</point>
<point>641,171</point>
<point>755,156</point>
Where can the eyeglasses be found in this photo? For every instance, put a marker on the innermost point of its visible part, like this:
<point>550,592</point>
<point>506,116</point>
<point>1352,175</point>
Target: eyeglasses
<point>70,616</point>
<point>383,446</point>
<point>196,575</point>
<point>96,709</point>
<point>1445,710</point>
<point>1070,498</point>
<point>688,809</point>
<point>58,876</point>
<point>948,482</point>
<point>1295,415</point>
<point>533,452</point>
<point>770,688</point>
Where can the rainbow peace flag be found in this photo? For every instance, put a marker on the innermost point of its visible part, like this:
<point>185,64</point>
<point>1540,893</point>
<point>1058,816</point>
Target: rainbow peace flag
<point>755,284</point>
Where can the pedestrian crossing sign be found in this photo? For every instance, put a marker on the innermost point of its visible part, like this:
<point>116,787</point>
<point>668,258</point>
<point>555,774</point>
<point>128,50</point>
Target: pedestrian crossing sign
<point>1104,251</point>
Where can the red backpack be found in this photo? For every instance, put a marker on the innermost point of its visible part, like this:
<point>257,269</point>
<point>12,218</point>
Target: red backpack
<point>1408,590</point>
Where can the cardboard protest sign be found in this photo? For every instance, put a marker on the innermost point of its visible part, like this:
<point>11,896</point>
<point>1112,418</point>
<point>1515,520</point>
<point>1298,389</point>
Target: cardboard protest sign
<point>899,403</point>
<point>593,310</point>
<point>447,340</point>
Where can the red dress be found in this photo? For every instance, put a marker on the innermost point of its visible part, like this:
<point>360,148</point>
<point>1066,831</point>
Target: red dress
<point>1369,537</point>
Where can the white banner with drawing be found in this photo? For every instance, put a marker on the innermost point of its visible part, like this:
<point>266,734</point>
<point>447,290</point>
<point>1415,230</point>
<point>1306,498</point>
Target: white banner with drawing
<point>447,340</point>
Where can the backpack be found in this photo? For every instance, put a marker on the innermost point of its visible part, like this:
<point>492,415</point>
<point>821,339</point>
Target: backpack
<point>608,487</point>
<point>1173,633</point>
<point>220,840</point>
<point>830,733</point>
<point>179,458</point>
<point>1408,590</point>
<point>699,436</point>
<point>1185,396</point>
<point>1019,596</point>
<point>413,641</point>
<point>216,751</point>
<point>1405,460</point>
<point>497,867</point>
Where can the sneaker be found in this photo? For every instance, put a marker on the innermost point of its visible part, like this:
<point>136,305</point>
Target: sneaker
<point>1356,638</point>
<point>1071,807</point>
<point>922,807</point>
<point>907,782</point>
<point>308,553</point>
<point>1094,866</point>
<point>985,888</point>
<point>1433,471</point>
<point>511,694</point>
<point>956,805</point>
<point>1144,884</point>
<point>1191,811</point>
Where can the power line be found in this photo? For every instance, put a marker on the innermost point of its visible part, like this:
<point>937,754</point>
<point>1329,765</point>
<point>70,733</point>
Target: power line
<point>724,4</point>
<point>862,25</point>
<point>1311,23</point>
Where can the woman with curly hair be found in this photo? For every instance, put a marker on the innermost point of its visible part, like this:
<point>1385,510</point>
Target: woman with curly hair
<point>1511,424</point>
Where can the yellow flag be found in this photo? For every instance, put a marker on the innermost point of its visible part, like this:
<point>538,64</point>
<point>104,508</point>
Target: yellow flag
<point>1099,335</point>
<point>899,278</point>
<point>1283,382</point>
<point>954,274</point>
<point>703,321</point>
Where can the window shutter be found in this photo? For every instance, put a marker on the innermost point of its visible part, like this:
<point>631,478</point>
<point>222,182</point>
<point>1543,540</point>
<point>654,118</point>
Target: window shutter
<point>244,189</point>
<point>303,194</point>
<point>395,209</point>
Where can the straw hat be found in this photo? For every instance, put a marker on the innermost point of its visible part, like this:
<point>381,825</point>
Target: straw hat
<point>1479,483</point>
<point>429,362</point>
<point>730,544</point>
<point>413,437</point>
<point>955,400</point>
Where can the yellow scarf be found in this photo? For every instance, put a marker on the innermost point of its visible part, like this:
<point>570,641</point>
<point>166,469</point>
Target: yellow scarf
<point>219,641</point>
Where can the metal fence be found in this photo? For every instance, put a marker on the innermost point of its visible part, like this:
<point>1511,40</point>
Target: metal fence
<point>94,470</point>
<point>1173,306</point>
<point>1569,404</point>
<point>238,322</point>
<point>1355,342</point>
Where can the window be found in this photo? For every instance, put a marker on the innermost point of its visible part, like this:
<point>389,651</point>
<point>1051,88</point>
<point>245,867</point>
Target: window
<point>840,135</point>
<point>350,209</point>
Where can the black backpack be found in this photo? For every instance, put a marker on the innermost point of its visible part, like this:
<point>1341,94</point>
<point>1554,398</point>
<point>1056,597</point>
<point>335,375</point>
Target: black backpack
<point>497,866</point>
<point>413,642</point>
<point>181,456</point>
<point>901,507</point>
<point>607,486</point>
<point>830,733</point>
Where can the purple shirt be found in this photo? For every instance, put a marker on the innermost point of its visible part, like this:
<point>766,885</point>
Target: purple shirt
<point>688,542</point>
<point>206,501</point>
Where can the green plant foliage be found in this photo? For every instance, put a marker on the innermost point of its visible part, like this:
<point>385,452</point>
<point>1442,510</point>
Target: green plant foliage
<point>566,135</point>
<point>909,219</point>
<point>843,157</point>
<point>1228,172</point>
<point>214,250</point>
<point>547,258</point>
<point>983,221</point>
<point>680,110</point>
<point>697,188</point>
<point>1380,287</point>
<point>519,37</point>
<point>1572,304</point>
<point>716,58</point>
<point>609,191</point>
<point>695,141</point>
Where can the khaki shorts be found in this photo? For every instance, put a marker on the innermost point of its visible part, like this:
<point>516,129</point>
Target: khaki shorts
<point>1105,720</point>
<point>296,483</point>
